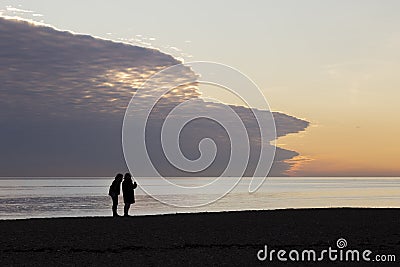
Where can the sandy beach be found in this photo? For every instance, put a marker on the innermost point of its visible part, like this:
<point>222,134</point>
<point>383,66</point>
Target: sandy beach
<point>227,238</point>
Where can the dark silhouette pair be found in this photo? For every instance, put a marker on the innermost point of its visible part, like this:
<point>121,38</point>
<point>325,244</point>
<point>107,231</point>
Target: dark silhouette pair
<point>128,192</point>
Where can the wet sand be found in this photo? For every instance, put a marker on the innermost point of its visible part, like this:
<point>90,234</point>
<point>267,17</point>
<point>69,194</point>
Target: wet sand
<point>227,238</point>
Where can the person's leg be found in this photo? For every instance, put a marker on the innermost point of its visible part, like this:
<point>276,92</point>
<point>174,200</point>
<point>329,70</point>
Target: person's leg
<point>126,209</point>
<point>115,206</point>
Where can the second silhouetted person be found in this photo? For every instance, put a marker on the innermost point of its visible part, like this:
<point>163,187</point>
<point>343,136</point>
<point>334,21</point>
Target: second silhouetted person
<point>128,190</point>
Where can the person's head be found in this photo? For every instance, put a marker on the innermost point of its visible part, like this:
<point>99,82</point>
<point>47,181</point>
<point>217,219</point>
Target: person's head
<point>128,176</point>
<point>119,177</point>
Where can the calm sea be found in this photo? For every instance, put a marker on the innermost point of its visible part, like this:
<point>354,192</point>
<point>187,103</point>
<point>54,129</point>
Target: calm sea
<point>65,197</point>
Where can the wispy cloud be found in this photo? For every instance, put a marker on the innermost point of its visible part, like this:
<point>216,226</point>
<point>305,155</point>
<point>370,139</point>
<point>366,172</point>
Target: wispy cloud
<point>17,10</point>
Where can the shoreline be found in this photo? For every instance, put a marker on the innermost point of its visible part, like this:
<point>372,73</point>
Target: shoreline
<point>207,238</point>
<point>198,213</point>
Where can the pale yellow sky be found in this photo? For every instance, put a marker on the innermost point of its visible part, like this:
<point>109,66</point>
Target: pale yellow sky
<point>354,119</point>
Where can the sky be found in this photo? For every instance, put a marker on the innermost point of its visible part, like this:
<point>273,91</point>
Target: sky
<point>334,64</point>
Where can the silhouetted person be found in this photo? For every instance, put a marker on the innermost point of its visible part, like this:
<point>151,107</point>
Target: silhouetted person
<point>128,190</point>
<point>115,190</point>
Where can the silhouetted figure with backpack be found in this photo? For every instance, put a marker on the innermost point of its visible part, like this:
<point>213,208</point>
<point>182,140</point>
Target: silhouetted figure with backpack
<point>114,192</point>
<point>128,190</point>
